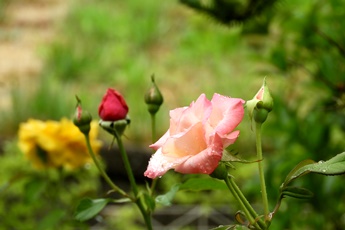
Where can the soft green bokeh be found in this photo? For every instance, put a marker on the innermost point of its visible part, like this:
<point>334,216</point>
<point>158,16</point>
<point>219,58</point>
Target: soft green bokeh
<point>120,44</point>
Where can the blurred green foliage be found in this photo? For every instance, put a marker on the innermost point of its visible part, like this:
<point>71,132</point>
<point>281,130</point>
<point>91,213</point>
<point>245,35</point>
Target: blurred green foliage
<point>44,102</point>
<point>308,50</point>
<point>41,199</point>
<point>299,45</point>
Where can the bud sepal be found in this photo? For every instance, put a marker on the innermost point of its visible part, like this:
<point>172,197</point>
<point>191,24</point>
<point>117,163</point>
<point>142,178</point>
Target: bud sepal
<point>115,128</point>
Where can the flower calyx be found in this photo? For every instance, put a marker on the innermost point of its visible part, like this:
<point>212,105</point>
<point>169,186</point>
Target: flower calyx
<point>115,128</point>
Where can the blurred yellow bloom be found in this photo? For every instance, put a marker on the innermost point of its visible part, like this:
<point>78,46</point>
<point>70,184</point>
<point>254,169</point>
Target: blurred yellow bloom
<point>56,144</point>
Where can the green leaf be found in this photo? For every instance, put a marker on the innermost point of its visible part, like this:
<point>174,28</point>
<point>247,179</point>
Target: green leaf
<point>199,184</point>
<point>295,169</point>
<point>296,192</point>
<point>167,197</point>
<point>332,167</point>
<point>192,184</point>
<point>89,208</point>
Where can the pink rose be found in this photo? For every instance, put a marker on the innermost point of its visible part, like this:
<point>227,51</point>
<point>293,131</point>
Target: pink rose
<point>197,136</point>
<point>113,107</point>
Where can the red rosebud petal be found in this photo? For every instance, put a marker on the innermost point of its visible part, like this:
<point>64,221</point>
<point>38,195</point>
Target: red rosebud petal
<point>113,106</point>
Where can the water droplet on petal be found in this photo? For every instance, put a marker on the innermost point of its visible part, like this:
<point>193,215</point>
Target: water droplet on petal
<point>320,162</point>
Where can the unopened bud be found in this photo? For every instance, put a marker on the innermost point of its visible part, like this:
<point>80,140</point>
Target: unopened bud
<point>260,115</point>
<point>261,104</point>
<point>82,118</point>
<point>153,97</point>
<point>264,97</point>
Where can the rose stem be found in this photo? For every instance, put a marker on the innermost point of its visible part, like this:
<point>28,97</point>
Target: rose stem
<point>250,213</point>
<point>131,178</point>
<point>153,127</point>
<point>100,169</point>
<point>153,131</point>
<point>261,170</point>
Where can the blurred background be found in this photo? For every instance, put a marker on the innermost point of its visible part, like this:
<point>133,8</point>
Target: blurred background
<point>52,50</point>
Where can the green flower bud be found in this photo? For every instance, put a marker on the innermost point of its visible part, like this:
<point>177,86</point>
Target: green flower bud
<point>261,104</point>
<point>260,115</point>
<point>265,98</point>
<point>153,97</point>
<point>82,118</point>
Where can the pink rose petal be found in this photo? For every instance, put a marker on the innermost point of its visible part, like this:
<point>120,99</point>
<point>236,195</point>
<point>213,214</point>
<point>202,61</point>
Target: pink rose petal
<point>227,113</point>
<point>197,136</point>
<point>206,161</point>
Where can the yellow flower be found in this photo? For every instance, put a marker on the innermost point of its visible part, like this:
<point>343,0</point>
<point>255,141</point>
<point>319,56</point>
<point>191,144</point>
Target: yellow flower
<point>57,144</point>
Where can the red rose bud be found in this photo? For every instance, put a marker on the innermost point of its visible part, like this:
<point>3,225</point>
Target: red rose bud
<point>153,97</point>
<point>113,106</point>
<point>82,118</point>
